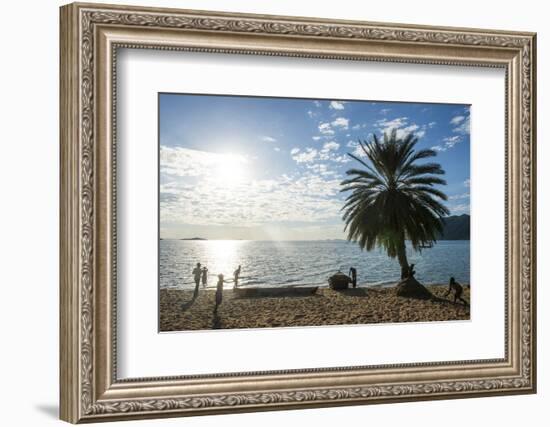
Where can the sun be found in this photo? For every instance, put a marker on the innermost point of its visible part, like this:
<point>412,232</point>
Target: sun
<point>230,170</point>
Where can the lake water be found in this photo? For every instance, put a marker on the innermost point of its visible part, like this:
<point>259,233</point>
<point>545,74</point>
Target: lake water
<point>294,263</point>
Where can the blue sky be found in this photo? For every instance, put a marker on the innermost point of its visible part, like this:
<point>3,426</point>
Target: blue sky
<point>269,168</point>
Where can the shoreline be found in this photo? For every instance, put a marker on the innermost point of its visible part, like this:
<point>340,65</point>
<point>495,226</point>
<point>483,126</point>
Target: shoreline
<point>362,305</point>
<point>383,285</point>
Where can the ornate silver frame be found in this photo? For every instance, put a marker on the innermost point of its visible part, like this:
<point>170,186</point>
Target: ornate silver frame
<point>90,36</point>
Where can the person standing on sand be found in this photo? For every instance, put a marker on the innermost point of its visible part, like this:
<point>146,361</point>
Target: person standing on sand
<point>353,275</point>
<point>197,276</point>
<point>219,292</point>
<point>236,275</point>
<point>204,275</point>
<point>457,289</point>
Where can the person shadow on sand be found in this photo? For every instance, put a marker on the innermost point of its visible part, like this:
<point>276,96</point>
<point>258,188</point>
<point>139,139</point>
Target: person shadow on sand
<point>216,321</point>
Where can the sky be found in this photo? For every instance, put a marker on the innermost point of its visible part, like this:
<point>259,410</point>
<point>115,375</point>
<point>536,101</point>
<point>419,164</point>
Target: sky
<point>258,168</point>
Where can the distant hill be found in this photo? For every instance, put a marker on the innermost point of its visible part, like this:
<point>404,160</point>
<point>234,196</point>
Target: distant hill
<point>194,238</point>
<point>456,227</point>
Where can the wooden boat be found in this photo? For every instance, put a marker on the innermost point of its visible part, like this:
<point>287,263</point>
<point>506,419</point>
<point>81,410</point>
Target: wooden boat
<point>288,291</point>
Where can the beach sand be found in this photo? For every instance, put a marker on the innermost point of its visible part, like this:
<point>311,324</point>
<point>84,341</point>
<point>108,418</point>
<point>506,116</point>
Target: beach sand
<point>178,311</point>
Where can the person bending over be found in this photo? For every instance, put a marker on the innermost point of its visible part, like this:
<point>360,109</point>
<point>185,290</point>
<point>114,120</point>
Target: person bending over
<point>455,287</point>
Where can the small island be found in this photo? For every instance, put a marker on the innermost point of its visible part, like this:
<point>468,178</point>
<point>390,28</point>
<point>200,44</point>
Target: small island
<point>193,238</point>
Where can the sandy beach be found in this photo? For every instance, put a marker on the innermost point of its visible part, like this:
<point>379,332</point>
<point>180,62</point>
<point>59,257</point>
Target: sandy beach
<point>178,311</point>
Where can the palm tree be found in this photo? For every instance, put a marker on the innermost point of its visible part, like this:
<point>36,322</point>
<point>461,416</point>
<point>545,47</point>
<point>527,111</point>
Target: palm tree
<point>392,198</point>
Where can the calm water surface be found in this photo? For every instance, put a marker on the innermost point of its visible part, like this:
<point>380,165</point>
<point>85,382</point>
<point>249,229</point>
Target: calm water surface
<point>295,263</point>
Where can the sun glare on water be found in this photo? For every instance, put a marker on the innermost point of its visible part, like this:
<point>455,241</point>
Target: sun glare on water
<point>223,258</point>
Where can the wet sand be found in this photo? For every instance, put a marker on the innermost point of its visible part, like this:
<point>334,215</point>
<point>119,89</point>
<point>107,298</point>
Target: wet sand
<point>179,312</point>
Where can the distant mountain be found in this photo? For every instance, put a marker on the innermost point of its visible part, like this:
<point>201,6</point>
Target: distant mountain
<point>456,227</point>
<point>193,238</point>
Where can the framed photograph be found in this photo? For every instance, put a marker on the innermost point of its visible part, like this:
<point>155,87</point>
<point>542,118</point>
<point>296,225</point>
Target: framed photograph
<point>266,212</point>
<point>275,212</point>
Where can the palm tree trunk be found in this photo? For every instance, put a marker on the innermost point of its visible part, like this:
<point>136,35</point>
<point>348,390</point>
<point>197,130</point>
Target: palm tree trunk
<point>409,287</point>
<point>402,257</point>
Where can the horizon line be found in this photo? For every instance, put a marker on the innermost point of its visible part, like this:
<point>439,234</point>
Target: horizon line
<point>203,239</point>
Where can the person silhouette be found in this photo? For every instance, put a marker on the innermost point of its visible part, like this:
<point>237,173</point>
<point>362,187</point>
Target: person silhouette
<point>197,276</point>
<point>457,289</point>
<point>353,275</point>
<point>412,272</point>
<point>236,275</point>
<point>204,276</point>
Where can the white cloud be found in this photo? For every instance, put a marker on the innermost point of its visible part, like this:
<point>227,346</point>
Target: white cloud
<point>316,138</point>
<point>268,139</point>
<point>411,128</point>
<point>448,143</point>
<point>388,125</point>
<point>343,158</point>
<point>185,162</point>
<point>451,141</point>
<point>306,156</point>
<point>341,122</point>
<point>331,146</point>
<point>459,209</point>
<point>467,183</point>
<point>308,198</point>
<point>277,149</point>
<point>460,196</point>
<point>456,120</point>
<point>359,152</point>
<point>431,124</point>
<point>402,127</point>
<point>337,105</point>
<point>325,129</point>
<point>190,194</point>
<point>328,153</point>
<point>321,169</point>
<point>463,127</point>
